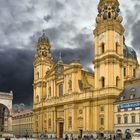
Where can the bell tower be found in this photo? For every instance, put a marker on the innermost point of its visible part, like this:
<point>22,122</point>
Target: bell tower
<point>42,64</point>
<point>108,62</point>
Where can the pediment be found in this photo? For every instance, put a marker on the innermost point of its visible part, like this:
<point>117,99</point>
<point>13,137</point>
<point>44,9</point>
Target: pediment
<point>57,69</point>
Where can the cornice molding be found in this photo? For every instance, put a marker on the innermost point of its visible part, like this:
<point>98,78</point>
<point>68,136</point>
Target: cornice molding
<point>108,25</point>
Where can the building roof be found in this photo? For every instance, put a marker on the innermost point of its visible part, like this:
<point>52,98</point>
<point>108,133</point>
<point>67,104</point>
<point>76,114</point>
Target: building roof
<point>130,92</point>
<point>129,52</point>
<point>43,38</point>
<point>6,95</point>
<point>23,113</point>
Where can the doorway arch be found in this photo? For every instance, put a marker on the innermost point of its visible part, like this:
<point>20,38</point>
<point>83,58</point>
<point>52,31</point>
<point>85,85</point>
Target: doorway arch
<point>4,118</point>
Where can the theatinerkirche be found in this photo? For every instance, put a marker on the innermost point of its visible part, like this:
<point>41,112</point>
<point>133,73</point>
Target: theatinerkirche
<point>69,100</point>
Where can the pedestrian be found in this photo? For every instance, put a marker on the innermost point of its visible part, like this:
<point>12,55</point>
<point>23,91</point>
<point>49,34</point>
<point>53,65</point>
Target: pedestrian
<point>110,138</point>
<point>114,137</point>
<point>91,137</point>
<point>66,137</point>
<point>79,137</point>
<point>71,137</point>
<point>7,138</point>
<point>97,138</point>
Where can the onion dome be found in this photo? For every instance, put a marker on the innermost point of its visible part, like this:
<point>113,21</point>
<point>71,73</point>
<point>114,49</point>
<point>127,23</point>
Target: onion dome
<point>102,2</point>
<point>108,10</point>
<point>129,52</point>
<point>43,38</point>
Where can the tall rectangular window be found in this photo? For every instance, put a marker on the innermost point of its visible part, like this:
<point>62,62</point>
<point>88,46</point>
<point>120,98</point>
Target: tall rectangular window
<point>102,48</point>
<point>60,89</point>
<point>124,71</point>
<point>102,121</point>
<point>49,123</point>
<point>117,46</point>
<point>134,73</point>
<point>133,119</point>
<point>101,108</point>
<point>119,120</point>
<point>126,119</point>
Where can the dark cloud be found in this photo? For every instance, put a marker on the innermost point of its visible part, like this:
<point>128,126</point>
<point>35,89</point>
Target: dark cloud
<point>131,16</point>
<point>47,18</point>
<point>136,36</point>
<point>16,71</point>
<point>66,23</point>
<point>84,54</point>
<point>16,74</point>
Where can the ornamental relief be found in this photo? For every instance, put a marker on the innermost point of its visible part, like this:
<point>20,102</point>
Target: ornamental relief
<point>80,111</point>
<point>60,114</point>
<point>111,60</point>
<point>106,62</point>
<point>80,122</point>
<point>40,84</point>
<point>115,26</point>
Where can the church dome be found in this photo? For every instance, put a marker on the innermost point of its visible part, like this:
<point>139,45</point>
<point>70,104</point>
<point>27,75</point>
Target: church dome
<point>43,38</point>
<point>129,52</point>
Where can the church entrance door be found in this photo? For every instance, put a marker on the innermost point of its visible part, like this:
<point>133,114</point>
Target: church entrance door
<point>61,129</point>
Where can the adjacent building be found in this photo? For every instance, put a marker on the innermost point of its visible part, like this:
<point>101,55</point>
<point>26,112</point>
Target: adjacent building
<point>6,114</point>
<point>68,99</point>
<point>22,123</point>
<point>127,108</point>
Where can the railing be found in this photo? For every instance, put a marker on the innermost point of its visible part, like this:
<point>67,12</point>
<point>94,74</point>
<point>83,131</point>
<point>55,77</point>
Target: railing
<point>65,99</point>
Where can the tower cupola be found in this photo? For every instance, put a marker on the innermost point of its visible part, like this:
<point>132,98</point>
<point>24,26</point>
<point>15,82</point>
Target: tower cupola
<point>43,39</point>
<point>108,10</point>
<point>44,48</point>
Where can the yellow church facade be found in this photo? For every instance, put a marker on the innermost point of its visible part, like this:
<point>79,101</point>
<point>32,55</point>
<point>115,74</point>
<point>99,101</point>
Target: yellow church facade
<point>69,100</point>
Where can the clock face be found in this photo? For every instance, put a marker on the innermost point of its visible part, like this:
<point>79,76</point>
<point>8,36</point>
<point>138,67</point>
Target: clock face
<point>59,70</point>
<point>117,37</point>
<point>44,53</point>
<point>102,37</point>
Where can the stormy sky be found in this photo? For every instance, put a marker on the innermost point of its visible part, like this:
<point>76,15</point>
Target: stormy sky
<point>67,23</point>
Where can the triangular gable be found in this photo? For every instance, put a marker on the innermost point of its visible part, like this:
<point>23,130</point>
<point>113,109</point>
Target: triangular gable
<point>53,69</point>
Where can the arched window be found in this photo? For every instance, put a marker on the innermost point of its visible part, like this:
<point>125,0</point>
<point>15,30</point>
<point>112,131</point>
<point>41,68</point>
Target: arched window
<point>37,99</point>
<point>117,81</point>
<point>102,48</point>
<point>60,89</point>
<point>70,121</point>
<point>124,72</point>
<point>49,91</point>
<point>109,15</point>
<point>117,47</point>
<point>103,82</point>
